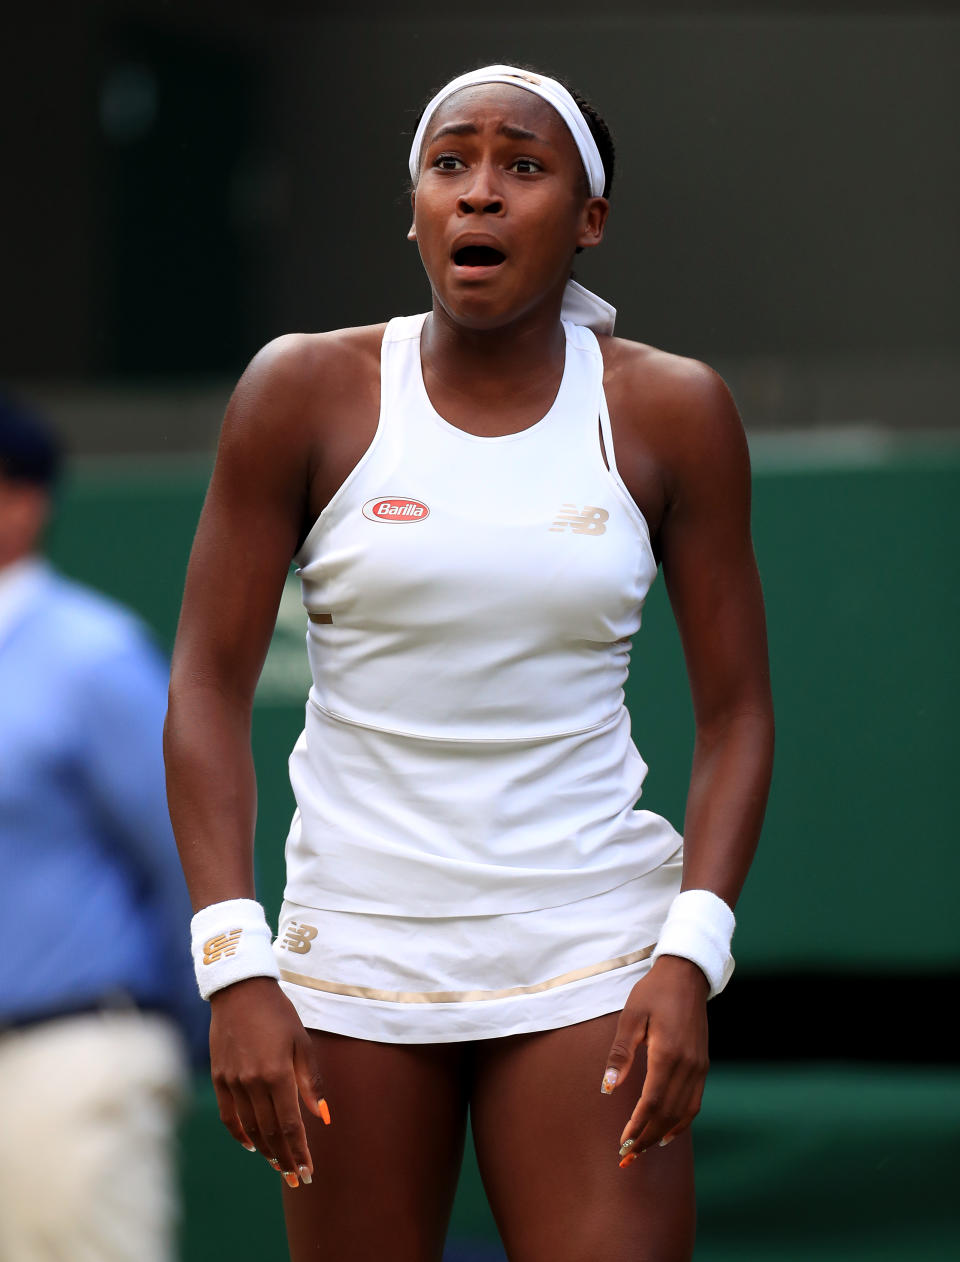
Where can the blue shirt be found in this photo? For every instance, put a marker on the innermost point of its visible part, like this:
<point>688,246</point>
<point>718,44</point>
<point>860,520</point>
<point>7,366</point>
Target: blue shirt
<point>92,897</point>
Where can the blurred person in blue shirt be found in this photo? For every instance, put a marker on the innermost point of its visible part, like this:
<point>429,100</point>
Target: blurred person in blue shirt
<point>98,1004</point>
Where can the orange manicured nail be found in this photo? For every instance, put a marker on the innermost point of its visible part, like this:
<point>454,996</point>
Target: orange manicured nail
<point>609,1081</point>
<point>632,1156</point>
<point>324,1110</point>
<point>290,1179</point>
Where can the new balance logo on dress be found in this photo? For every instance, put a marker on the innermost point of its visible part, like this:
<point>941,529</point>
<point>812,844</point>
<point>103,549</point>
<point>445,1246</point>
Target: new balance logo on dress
<point>298,938</point>
<point>588,522</point>
<point>395,508</point>
<point>220,946</point>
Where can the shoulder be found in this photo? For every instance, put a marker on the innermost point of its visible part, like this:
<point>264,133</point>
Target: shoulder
<point>83,628</point>
<point>297,379</point>
<point>300,358</point>
<point>97,622</point>
<point>679,407</point>
<point>298,364</point>
<point>687,390</point>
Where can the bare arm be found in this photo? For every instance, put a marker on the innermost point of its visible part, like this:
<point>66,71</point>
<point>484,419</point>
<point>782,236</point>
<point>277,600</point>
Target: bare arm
<point>714,588</point>
<point>249,530</point>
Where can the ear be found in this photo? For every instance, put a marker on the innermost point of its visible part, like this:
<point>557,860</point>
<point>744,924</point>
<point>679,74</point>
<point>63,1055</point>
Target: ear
<point>412,234</point>
<point>594,220</point>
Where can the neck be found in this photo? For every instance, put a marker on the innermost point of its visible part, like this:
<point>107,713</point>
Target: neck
<point>12,556</point>
<point>487,363</point>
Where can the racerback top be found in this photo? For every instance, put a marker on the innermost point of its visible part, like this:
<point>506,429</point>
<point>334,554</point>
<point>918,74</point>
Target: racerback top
<point>471,604</point>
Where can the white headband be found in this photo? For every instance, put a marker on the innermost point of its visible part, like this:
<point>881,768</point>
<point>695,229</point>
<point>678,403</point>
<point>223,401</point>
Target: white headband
<point>549,90</point>
<point>579,304</point>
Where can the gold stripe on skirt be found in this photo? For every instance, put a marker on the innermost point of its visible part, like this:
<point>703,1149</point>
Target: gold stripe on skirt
<point>464,996</point>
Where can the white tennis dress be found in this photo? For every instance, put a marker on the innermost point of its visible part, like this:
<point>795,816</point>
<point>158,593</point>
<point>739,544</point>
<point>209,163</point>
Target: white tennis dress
<point>466,860</point>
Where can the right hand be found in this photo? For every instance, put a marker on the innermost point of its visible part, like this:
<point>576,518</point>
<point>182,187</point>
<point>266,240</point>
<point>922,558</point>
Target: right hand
<point>261,1057</point>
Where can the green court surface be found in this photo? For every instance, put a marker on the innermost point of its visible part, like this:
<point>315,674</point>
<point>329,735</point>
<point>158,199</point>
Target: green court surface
<point>837,1164</point>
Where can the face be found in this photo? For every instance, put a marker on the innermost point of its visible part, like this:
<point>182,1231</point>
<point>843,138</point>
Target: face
<point>24,509</point>
<point>500,205</point>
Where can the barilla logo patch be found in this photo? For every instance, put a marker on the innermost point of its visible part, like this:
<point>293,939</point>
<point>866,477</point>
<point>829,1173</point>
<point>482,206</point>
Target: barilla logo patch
<point>395,508</point>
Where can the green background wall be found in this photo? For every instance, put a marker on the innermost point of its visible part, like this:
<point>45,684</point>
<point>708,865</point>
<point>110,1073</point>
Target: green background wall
<point>857,868</point>
<point>859,859</point>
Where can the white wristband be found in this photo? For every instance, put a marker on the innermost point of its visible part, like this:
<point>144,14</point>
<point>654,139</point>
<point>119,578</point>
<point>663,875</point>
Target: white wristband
<point>231,941</point>
<point>699,927</point>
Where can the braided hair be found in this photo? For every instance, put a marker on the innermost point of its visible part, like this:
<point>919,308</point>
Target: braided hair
<point>601,134</point>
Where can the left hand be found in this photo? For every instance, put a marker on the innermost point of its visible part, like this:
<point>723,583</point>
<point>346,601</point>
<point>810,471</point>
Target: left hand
<point>667,1012</point>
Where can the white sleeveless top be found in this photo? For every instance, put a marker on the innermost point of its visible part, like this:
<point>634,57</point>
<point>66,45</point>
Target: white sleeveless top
<point>471,605</point>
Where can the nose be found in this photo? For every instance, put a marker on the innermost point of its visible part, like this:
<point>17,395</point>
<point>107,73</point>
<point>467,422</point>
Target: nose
<point>482,195</point>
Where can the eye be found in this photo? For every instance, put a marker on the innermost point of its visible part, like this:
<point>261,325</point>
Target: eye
<point>447,162</point>
<point>526,166</point>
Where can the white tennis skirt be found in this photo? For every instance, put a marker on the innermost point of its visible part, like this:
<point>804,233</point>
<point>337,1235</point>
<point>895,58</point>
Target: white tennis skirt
<point>395,979</point>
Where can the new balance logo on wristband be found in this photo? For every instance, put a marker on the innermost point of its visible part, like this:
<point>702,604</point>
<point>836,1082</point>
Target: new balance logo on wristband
<point>224,956</point>
<point>298,938</point>
<point>221,945</point>
<point>589,522</point>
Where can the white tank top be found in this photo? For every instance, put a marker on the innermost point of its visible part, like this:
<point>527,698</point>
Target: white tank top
<point>471,605</point>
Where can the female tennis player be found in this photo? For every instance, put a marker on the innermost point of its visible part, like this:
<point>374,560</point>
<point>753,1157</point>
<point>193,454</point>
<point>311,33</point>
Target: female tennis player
<point>477,915</point>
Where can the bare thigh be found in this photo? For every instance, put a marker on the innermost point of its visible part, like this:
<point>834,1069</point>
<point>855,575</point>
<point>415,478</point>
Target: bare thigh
<point>547,1143</point>
<point>386,1169</point>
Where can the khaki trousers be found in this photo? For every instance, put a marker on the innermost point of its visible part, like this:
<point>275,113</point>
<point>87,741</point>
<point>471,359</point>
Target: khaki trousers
<point>88,1112</point>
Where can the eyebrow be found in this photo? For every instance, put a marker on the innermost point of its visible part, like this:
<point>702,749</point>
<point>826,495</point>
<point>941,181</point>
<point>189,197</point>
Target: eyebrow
<point>470,129</point>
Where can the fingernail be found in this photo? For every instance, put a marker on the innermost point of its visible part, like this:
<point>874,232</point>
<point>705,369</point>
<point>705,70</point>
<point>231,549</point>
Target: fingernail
<point>628,1159</point>
<point>290,1179</point>
<point>305,1175</point>
<point>249,1147</point>
<point>324,1110</point>
<point>609,1080</point>
<point>626,1146</point>
<point>275,1163</point>
<point>668,1139</point>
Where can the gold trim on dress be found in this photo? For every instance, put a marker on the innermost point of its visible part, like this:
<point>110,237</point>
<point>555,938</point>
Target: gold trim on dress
<point>464,996</point>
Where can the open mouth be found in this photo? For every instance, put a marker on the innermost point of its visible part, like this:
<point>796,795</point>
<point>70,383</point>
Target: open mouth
<point>478,256</point>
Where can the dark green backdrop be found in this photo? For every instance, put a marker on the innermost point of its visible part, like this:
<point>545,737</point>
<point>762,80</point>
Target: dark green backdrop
<point>859,861</point>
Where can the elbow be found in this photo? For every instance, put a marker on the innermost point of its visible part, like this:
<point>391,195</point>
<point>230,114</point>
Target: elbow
<point>748,723</point>
<point>223,683</point>
<point>200,706</point>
